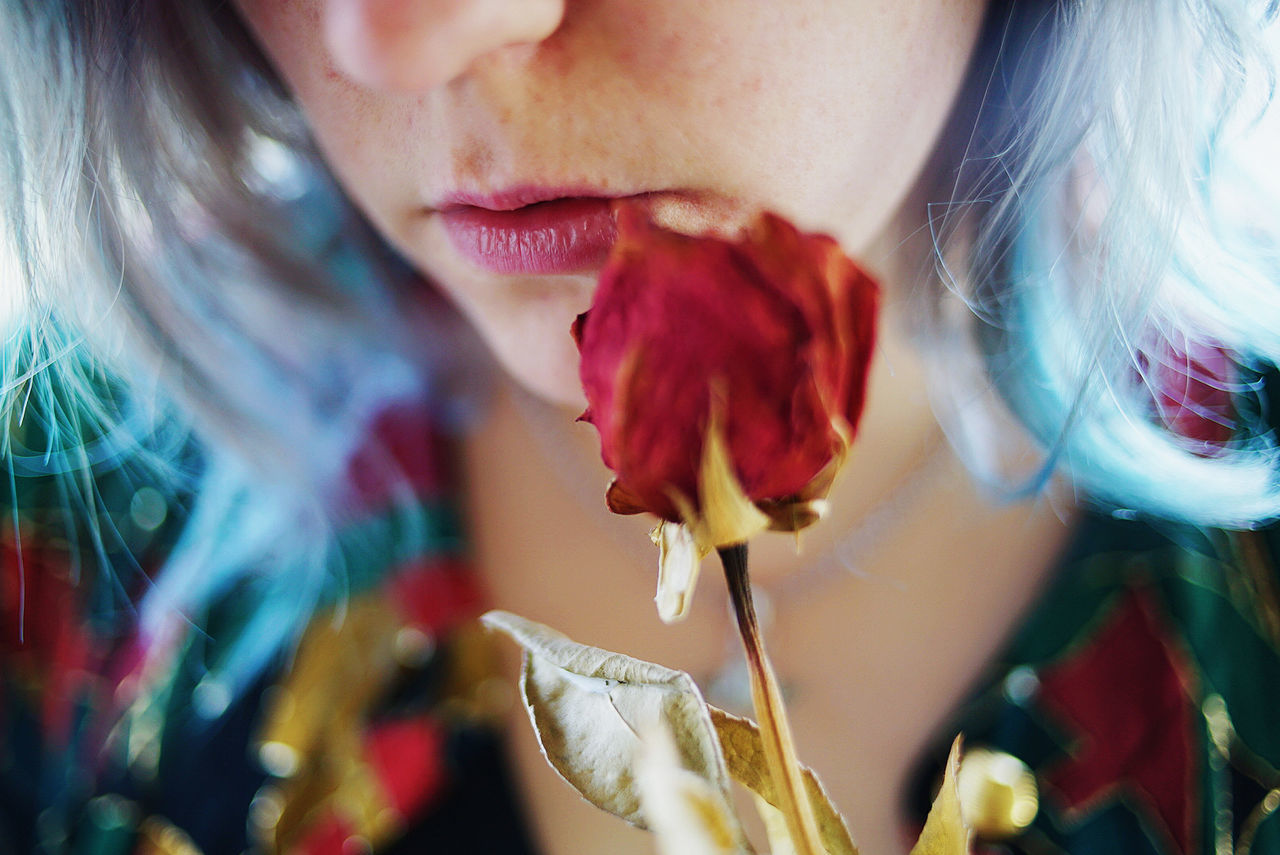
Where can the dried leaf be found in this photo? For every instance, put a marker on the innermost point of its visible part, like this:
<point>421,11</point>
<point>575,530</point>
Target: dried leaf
<point>945,831</point>
<point>679,561</point>
<point>744,753</point>
<point>775,827</point>
<point>687,815</point>
<point>588,706</point>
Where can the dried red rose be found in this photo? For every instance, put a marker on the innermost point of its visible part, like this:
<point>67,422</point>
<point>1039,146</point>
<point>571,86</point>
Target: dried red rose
<point>725,378</point>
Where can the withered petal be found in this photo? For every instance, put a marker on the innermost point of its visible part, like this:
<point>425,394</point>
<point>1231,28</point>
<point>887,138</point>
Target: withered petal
<point>576,329</point>
<point>621,500</point>
<point>793,515</point>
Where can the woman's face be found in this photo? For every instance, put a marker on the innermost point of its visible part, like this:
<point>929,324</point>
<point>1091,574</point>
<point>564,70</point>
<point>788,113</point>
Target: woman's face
<point>484,138</point>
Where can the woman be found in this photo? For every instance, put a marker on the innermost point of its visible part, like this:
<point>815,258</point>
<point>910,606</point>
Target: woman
<point>206,317</point>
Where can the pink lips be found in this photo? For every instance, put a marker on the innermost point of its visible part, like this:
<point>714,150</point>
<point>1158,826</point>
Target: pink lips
<point>527,232</point>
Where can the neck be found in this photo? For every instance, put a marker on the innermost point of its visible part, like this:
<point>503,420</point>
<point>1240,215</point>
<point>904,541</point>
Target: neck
<point>874,658</point>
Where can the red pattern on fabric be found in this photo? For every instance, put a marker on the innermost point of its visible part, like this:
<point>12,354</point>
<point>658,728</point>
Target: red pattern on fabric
<point>404,450</point>
<point>1193,391</point>
<point>407,758</point>
<point>43,641</point>
<point>1125,697</point>
<point>328,836</point>
<point>436,596</point>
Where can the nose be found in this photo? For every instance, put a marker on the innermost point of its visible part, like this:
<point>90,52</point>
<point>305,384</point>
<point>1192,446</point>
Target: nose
<point>415,45</point>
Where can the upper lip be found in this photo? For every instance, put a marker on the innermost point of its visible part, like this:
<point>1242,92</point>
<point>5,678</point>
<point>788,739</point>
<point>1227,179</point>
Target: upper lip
<point>521,196</point>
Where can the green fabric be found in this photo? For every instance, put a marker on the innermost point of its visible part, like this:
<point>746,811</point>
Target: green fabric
<point>1212,603</point>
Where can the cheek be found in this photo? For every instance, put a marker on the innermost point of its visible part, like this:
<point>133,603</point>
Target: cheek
<point>830,118</point>
<point>347,124</point>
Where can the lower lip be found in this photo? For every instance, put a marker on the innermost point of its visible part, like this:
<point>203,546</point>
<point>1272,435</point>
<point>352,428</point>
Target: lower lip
<point>561,236</point>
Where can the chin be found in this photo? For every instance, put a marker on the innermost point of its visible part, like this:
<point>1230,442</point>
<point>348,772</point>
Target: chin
<point>547,370</point>
<point>560,391</point>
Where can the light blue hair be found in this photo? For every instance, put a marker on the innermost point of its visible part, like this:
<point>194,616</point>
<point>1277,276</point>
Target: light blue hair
<point>1097,220</point>
<point>198,300</point>
<point>232,329</point>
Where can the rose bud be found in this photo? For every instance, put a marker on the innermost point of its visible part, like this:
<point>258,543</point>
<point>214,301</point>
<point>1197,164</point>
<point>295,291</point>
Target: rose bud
<point>726,380</point>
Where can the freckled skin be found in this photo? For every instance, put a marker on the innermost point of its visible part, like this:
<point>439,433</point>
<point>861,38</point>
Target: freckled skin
<point>474,158</point>
<point>822,110</point>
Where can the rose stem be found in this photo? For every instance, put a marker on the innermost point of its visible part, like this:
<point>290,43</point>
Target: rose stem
<point>766,697</point>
